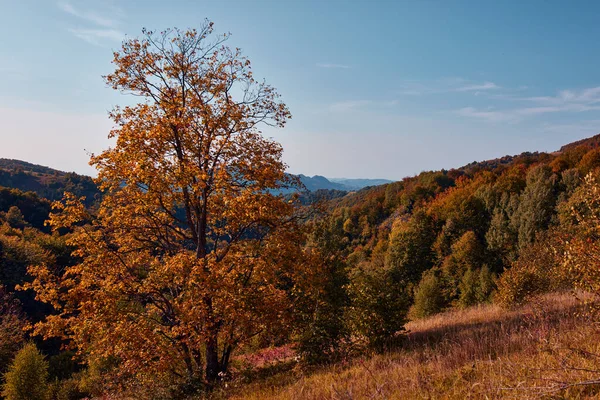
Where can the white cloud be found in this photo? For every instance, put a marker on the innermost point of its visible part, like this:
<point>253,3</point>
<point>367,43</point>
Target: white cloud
<point>343,106</point>
<point>99,26</point>
<point>489,115</point>
<point>89,16</point>
<point>477,87</point>
<point>338,66</point>
<point>94,36</point>
<point>445,85</point>
<point>565,101</point>
<point>352,105</point>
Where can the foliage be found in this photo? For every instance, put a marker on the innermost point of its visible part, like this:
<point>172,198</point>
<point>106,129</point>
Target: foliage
<point>538,270</point>
<point>34,209</point>
<point>190,254</point>
<point>430,296</point>
<point>322,326</point>
<point>536,205</point>
<point>46,182</point>
<point>582,251</point>
<point>27,376</point>
<point>12,324</point>
<point>379,305</point>
<point>475,287</point>
<point>409,253</point>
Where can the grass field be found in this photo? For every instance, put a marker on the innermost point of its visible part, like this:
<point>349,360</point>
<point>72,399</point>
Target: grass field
<point>547,349</point>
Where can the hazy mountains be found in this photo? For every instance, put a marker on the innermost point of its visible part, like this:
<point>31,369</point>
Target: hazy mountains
<point>318,182</point>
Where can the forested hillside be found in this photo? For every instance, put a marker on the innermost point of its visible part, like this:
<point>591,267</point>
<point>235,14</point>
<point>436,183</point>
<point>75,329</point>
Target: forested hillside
<point>445,236</point>
<point>46,182</point>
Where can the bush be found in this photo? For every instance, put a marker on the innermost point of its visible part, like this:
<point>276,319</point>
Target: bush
<point>538,270</point>
<point>66,389</point>
<point>27,376</point>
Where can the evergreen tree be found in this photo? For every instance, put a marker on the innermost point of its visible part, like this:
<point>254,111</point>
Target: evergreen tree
<point>27,376</point>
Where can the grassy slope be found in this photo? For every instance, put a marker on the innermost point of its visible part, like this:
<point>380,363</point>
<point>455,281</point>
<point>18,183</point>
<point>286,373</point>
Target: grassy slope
<point>539,350</point>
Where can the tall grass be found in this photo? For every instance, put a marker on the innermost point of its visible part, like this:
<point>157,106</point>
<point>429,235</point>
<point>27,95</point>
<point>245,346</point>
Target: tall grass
<point>547,349</point>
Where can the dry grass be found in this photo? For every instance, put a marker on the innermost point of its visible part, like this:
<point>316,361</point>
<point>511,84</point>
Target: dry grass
<point>548,349</point>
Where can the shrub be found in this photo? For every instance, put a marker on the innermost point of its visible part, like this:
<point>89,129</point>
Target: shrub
<point>538,270</point>
<point>27,376</point>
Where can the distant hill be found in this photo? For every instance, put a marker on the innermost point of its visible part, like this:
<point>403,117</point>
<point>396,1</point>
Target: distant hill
<point>319,182</point>
<point>357,184</point>
<point>46,182</point>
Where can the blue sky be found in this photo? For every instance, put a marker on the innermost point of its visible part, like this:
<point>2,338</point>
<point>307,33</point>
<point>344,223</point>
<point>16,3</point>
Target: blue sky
<point>380,89</point>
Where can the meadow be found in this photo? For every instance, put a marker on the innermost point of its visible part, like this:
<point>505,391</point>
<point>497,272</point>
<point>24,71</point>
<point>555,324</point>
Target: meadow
<point>545,349</point>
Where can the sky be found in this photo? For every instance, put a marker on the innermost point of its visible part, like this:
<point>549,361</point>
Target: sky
<point>377,89</point>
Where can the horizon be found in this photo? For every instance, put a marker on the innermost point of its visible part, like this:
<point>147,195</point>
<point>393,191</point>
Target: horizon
<point>393,90</point>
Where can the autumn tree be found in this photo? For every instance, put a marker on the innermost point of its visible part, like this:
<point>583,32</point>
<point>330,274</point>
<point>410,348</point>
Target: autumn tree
<point>191,253</point>
<point>12,324</point>
<point>582,251</point>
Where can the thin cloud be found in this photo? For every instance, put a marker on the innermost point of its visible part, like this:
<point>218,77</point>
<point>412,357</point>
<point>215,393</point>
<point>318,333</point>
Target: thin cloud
<point>352,105</point>
<point>99,26</point>
<point>343,106</point>
<point>445,85</point>
<point>338,66</point>
<point>489,115</point>
<point>477,87</point>
<point>89,16</point>
<point>94,36</point>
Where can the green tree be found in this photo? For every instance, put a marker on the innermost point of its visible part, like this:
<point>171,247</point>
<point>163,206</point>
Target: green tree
<point>538,201</point>
<point>429,297</point>
<point>409,253</point>
<point>27,376</point>
<point>322,310</point>
<point>14,217</point>
<point>467,254</point>
<point>379,304</point>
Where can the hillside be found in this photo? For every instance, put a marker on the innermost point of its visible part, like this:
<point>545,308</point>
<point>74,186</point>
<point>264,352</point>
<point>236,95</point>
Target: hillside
<point>542,349</point>
<point>46,182</point>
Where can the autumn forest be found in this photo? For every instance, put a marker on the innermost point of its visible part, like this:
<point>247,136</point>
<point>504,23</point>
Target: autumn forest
<point>195,266</point>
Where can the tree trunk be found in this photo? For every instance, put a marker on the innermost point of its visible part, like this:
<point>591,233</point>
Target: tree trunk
<point>213,366</point>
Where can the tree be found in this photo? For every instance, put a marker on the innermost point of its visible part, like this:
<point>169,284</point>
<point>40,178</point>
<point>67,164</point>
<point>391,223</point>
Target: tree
<point>14,217</point>
<point>582,250</point>
<point>190,254</point>
<point>27,376</point>
<point>430,297</point>
<point>321,311</point>
<point>467,254</point>
<point>409,253</point>
<point>379,304</point>
<point>12,324</point>
<point>538,201</point>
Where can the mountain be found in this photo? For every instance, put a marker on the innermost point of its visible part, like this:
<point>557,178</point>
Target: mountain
<point>357,184</point>
<point>46,182</point>
<point>320,182</point>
